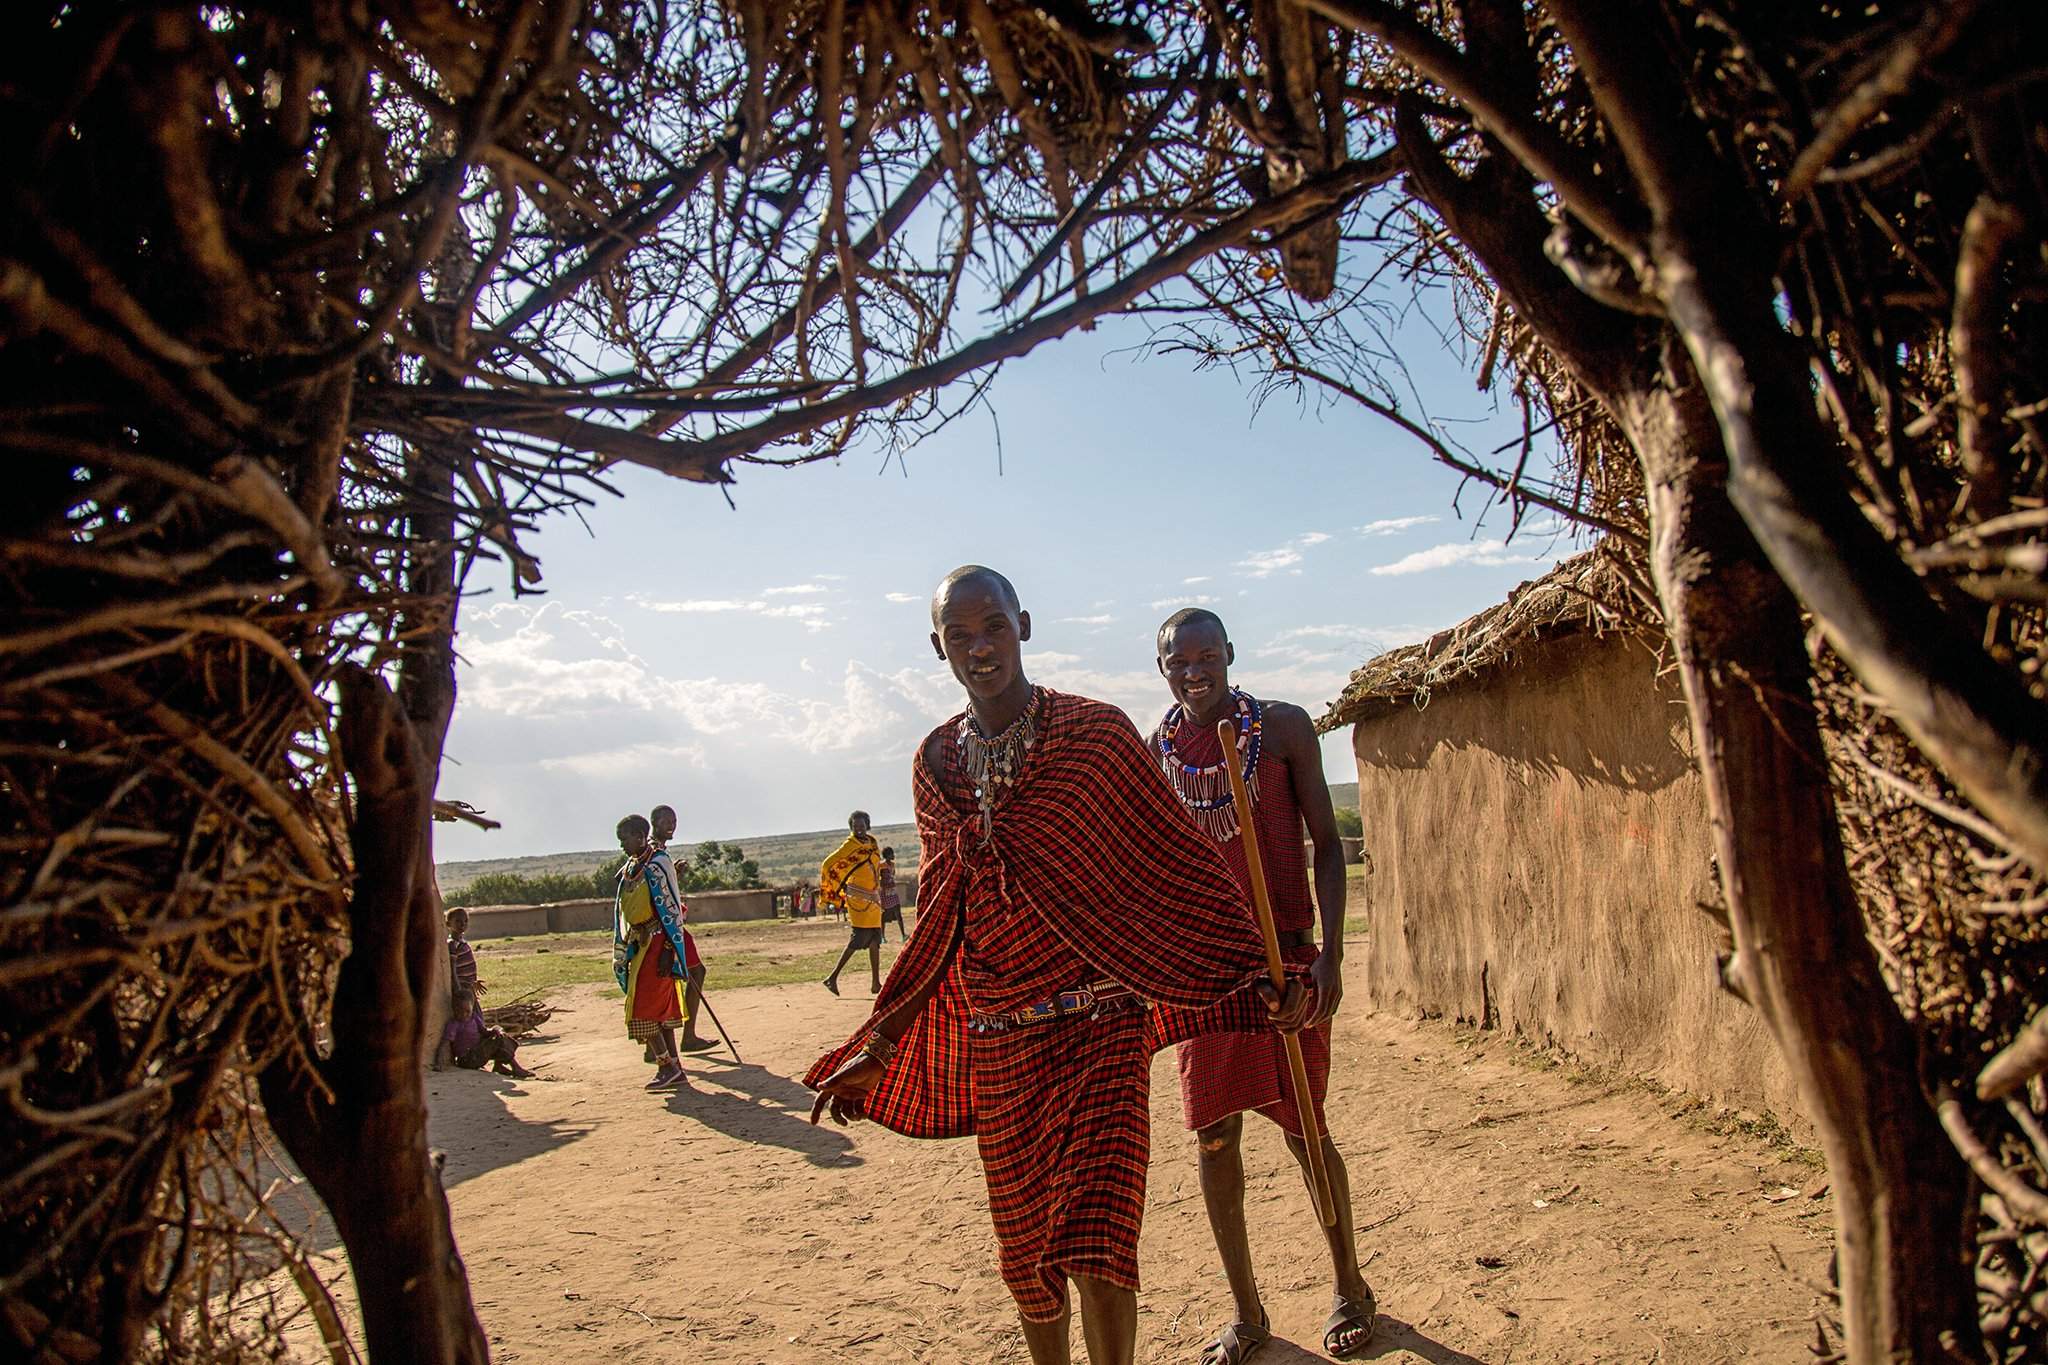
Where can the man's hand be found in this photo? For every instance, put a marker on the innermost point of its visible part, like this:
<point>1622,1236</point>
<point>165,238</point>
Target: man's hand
<point>1326,974</point>
<point>846,1090</point>
<point>1291,1012</point>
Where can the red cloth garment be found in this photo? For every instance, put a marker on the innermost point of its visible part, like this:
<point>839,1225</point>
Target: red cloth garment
<point>1092,871</point>
<point>692,960</point>
<point>1229,1073</point>
<point>655,1001</point>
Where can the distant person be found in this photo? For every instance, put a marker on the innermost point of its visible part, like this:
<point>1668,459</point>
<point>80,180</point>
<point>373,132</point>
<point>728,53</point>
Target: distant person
<point>461,957</point>
<point>853,876</point>
<point>470,1043</point>
<point>663,821</point>
<point>892,900</point>
<point>647,949</point>
<point>1225,1075</point>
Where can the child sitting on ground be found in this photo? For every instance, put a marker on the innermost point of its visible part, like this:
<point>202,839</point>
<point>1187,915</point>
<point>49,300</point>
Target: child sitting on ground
<point>471,1043</point>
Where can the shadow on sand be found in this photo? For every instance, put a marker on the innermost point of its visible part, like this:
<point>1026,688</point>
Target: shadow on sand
<point>754,1104</point>
<point>1393,1336</point>
<point>456,1130</point>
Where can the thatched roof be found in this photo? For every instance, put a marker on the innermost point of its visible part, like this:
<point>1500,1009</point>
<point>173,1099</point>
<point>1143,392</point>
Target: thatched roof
<point>1591,591</point>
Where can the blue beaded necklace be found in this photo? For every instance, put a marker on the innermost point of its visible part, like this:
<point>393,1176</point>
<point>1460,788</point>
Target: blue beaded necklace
<point>1205,791</point>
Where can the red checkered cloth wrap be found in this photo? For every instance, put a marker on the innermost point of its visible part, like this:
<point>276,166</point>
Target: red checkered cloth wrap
<point>1093,871</point>
<point>1228,1073</point>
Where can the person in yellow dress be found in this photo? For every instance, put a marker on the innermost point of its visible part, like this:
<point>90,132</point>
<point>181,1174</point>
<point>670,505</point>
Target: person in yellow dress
<point>853,876</point>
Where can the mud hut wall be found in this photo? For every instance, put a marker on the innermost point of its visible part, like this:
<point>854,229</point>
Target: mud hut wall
<point>1541,853</point>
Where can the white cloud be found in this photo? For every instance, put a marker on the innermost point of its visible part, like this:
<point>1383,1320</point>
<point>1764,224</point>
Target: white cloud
<point>691,606</point>
<point>602,763</point>
<point>811,614</point>
<point>795,590</point>
<point>553,666</point>
<point>1348,645</point>
<point>1263,563</point>
<point>899,597</point>
<point>1389,525</point>
<point>1198,578</point>
<point>1489,552</point>
<point>1187,600</point>
<point>1260,563</point>
<point>1087,620</point>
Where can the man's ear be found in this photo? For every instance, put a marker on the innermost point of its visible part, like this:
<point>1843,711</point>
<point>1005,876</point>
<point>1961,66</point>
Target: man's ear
<point>1229,652</point>
<point>1023,625</point>
<point>937,648</point>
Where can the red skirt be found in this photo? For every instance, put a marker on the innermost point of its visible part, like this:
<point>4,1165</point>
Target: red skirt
<point>690,958</point>
<point>1061,1117</point>
<point>1229,1073</point>
<point>654,990</point>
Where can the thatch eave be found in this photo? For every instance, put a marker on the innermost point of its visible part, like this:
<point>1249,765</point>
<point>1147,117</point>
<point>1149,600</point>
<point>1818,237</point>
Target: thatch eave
<point>1587,592</point>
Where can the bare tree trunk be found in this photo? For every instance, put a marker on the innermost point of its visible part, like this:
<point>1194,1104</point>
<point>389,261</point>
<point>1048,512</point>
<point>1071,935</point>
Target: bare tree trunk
<point>1799,951</point>
<point>359,1129</point>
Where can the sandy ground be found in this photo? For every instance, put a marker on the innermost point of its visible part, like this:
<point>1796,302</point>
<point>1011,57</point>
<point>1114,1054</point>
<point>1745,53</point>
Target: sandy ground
<point>1507,1214</point>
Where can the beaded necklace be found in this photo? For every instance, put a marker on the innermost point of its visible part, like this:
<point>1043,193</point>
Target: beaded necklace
<point>993,763</point>
<point>1205,791</point>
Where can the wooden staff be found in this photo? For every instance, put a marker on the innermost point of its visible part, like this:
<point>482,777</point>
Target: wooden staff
<point>704,999</point>
<point>1262,906</point>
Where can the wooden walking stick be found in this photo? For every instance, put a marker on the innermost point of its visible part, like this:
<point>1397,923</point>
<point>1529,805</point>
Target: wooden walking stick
<point>1262,907</point>
<point>704,999</point>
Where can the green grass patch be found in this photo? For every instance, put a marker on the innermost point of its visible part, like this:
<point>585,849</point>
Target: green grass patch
<point>748,953</point>
<point>754,953</point>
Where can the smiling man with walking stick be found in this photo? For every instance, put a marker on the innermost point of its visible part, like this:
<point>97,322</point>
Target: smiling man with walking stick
<point>1071,921</point>
<point>1280,767</point>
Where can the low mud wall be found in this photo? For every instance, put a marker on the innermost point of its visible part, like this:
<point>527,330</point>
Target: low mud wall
<point>569,917</point>
<point>1540,849</point>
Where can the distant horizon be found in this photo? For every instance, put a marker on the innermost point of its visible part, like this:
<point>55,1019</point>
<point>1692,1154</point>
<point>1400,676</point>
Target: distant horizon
<point>446,865</point>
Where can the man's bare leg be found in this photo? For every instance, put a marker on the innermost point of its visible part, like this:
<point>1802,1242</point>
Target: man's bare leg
<point>832,981</point>
<point>1222,1169</point>
<point>1047,1341</point>
<point>1349,1280</point>
<point>693,1004</point>
<point>875,965</point>
<point>1109,1321</point>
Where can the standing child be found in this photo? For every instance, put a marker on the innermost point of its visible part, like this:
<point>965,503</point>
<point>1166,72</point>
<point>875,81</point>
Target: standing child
<point>892,900</point>
<point>461,957</point>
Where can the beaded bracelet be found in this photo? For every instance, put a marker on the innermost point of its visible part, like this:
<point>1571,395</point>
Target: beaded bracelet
<point>879,1047</point>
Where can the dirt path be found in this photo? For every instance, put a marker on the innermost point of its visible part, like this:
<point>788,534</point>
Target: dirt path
<point>1508,1213</point>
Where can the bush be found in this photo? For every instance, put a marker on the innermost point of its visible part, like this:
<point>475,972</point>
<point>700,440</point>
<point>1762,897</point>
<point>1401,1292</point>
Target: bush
<point>1349,824</point>
<point>711,867</point>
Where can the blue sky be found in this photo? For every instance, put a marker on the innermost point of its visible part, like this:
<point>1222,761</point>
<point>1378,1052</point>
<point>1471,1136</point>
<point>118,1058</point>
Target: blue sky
<point>765,669</point>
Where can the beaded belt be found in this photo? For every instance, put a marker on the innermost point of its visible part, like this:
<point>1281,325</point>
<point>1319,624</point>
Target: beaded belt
<point>1088,999</point>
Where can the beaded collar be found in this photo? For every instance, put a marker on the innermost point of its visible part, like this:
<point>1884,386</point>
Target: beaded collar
<point>1205,791</point>
<point>994,762</point>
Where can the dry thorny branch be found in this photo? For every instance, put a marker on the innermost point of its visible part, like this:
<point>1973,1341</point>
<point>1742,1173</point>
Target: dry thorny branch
<point>312,309</point>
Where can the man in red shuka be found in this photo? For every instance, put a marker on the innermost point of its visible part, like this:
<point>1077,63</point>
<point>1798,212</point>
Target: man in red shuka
<point>1072,921</point>
<point>1224,1075</point>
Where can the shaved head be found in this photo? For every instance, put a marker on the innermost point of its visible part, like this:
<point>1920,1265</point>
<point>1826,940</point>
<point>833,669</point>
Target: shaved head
<point>974,573</point>
<point>1189,616</point>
